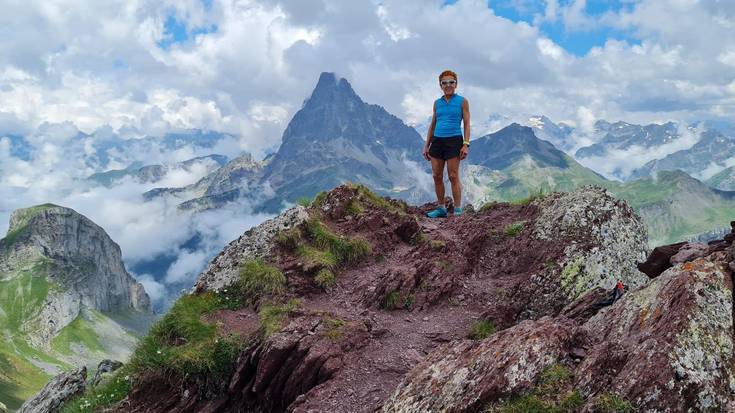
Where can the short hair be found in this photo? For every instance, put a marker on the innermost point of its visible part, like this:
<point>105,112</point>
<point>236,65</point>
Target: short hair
<point>448,73</point>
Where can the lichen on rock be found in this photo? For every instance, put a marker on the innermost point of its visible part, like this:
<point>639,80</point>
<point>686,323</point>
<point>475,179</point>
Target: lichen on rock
<point>607,239</point>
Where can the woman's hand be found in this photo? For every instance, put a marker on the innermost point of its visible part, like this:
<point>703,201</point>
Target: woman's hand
<point>464,152</point>
<point>426,153</point>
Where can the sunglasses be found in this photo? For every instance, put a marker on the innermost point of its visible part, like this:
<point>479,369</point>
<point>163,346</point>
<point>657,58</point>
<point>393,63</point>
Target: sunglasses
<point>448,82</point>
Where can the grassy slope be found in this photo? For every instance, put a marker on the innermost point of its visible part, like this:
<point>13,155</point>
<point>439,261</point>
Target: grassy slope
<point>21,297</point>
<point>22,294</point>
<point>673,206</point>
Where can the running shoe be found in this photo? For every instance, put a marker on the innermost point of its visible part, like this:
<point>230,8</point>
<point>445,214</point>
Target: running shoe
<point>457,211</point>
<point>440,212</point>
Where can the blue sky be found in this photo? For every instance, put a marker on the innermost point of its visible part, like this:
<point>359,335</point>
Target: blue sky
<point>575,40</point>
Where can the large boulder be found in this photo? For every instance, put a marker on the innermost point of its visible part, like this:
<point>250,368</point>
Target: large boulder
<point>56,392</point>
<point>605,239</point>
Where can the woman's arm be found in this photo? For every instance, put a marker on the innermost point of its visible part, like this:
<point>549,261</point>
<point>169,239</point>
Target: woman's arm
<point>466,119</point>
<point>430,134</point>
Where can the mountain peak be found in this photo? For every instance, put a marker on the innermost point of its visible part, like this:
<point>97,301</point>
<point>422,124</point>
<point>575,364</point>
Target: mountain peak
<point>332,89</point>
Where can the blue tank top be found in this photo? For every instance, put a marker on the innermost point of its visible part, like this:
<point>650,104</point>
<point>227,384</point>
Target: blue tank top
<point>448,116</point>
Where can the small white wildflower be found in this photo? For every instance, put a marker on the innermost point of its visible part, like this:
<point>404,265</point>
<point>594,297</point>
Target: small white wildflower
<point>158,351</point>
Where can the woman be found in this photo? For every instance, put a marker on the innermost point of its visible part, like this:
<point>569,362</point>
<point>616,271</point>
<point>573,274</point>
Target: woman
<point>445,143</point>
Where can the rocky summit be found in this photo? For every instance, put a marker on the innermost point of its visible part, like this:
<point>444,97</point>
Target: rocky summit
<point>65,298</point>
<point>359,303</point>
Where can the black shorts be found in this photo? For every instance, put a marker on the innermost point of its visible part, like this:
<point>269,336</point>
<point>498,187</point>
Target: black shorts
<point>445,148</point>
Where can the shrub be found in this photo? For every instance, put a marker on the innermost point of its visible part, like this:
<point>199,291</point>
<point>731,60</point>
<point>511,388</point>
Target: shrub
<point>481,329</point>
<point>513,229</point>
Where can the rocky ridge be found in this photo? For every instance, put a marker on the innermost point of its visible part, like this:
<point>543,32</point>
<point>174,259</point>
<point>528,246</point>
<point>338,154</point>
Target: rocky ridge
<point>400,327</point>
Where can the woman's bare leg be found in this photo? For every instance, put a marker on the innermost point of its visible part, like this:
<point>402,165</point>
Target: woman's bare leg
<point>437,169</point>
<point>453,172</point>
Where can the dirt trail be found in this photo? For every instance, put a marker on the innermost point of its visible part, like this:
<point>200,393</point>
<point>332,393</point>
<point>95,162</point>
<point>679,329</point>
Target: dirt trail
<point>412,294</point>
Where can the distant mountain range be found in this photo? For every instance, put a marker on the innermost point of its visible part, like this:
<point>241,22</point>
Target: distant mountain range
<point>154,173</point>
<point>336,137</point>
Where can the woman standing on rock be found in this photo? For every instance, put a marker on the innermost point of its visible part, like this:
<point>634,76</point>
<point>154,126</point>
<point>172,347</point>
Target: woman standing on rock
<point>445,143</point>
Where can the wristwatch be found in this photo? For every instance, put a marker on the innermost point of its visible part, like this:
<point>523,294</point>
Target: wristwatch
<point>466,143</point>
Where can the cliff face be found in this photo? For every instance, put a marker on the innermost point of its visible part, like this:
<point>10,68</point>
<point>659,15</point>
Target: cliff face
<point>62,285</point>
<point>79,259</point>
<point>361,304</point>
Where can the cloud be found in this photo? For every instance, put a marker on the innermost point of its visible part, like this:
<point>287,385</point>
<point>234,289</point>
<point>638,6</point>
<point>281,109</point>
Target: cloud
<point>619,163</point>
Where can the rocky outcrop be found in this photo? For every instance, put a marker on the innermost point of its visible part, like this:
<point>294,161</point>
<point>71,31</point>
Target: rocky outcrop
<point>664,347</point>
<point>75,256</point>
<point>605,239</point>
<point>392,330</point>
<point>257,242</point>
<point>105,366</point>
<point>56,392</point>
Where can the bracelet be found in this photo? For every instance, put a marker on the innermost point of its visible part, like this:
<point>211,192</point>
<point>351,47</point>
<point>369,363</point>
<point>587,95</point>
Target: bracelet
<point>466,143</point>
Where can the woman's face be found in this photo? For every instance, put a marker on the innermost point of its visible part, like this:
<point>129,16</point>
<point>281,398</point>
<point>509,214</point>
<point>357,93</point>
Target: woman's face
<point>448,84</point>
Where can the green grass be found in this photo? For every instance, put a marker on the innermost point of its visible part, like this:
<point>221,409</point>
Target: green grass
<point>437,244</point>
<point>537,194</point>
<point>105,395</point>
<point>481,329</point>
<point>391,300</point>
<point>304,201</point>
<point>79,331</point>
<point>354,207</point>
<point>394,301</point>
<point>272,316</point>
<point>514,229</point>
<point>319,258</point>
<point>548,396</point>
<point>334,327</point>
<point>375,201</point>
<point>184,344</point>
<point>289,239</point>
<point>612,403</point>
<point>346,250</point>
<point>258,279</point>
<point>319,199</point>
<point>488,206</point>
<point>325,278</point>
